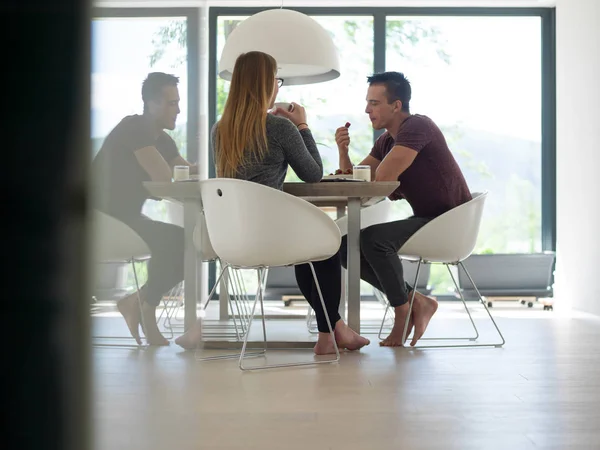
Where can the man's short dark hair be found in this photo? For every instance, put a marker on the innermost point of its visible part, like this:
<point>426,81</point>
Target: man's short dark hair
<point>397,87</point>
<point>154,83</point>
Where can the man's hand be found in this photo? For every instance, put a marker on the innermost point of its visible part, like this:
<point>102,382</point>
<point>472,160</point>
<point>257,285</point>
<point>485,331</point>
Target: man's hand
<point>342,139</point>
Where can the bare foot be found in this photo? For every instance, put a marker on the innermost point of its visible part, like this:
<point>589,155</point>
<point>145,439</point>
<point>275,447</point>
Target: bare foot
<point>395,337</point>
<point>191,338</point>
<point>423,310</point>
<point>153,334</point>
<point>129,307</point>
<point>324,345</point>
<point>347,338</point>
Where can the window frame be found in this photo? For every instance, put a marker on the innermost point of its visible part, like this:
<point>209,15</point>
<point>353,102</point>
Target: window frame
<point>380,14</point>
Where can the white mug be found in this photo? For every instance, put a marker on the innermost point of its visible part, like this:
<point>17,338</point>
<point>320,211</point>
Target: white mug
<point>283,105</point>
<point>361,173</point>
<point>181,173</point>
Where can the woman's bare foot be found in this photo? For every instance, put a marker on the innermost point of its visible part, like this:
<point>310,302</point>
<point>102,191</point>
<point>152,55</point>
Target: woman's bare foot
<point>347,338</point>
<point>423,310</point>
<point>191,338</point>
<point>153,334</point>
<point>129,307</point>
<point>395,337</point>
<point>325,345</point>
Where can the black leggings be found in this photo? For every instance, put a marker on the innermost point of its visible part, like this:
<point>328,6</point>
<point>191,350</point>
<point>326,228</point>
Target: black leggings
<point>166,243</point>
<point>329,274</point>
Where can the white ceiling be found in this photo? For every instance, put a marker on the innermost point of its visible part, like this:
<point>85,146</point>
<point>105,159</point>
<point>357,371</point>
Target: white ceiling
<point>322,3</point>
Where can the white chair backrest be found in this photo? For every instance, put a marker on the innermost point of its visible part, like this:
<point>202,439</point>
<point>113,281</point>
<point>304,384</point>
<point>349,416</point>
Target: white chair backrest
<point>254,225</point>
<point>113,241</point>
<point>450,237</point>
<point>381,212</point>
<point>202,240</point>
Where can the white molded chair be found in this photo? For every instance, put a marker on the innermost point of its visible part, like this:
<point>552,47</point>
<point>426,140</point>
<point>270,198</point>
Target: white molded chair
<point>115,242</point>
<point>449,239</point>
<point>252,226</point>
<point>238,303</point>
<point>380,212</point>
<point>235,282</point>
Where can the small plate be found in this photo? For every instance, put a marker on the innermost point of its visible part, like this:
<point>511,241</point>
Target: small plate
<point>191,178</point>
<point>340,177</point>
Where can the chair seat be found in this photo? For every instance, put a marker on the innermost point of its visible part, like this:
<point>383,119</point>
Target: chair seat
<point>283,257</point>
<point>114,241</point>
<point>381,212</point>
<point>449,238</point>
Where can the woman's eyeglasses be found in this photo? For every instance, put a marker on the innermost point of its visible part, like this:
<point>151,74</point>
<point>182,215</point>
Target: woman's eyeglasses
<point>279,82</point>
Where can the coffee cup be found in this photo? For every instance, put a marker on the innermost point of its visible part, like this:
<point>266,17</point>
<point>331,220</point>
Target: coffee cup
<point>181,173</point>
<point>361,173</point>
<point>285,106</point>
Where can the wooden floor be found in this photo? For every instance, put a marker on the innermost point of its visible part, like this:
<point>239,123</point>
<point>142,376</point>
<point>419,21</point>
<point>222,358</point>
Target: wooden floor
<point>541,391</point>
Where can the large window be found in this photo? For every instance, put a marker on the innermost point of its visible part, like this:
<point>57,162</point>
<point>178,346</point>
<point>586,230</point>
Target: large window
<point>482,86</point>
<point>328,105</point>
<point>485,76</point>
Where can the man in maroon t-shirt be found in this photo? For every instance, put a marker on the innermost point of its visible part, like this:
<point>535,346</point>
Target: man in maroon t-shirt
<point>413,151</point>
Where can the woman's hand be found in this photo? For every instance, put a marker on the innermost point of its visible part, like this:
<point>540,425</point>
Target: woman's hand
<point>297,115</point>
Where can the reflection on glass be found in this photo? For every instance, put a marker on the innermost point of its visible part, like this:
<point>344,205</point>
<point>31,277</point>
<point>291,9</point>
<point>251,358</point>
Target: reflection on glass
<point>124,51</point>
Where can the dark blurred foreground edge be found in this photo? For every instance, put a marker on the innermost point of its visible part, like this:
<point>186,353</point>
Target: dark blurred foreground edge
<point>45,311</point>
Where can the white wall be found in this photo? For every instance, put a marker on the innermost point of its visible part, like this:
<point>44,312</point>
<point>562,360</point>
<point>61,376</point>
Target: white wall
<point>578,149</point>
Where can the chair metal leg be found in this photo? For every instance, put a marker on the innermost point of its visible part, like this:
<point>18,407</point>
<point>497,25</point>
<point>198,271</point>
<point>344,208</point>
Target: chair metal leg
<point>387,309</point>
<point>172,303</point>
<point>310,321</point>
<point>263,286</point>
<point>170,307</point>
<point>136,345</point>
<point>247,332</point>
<point>241,305</point>
<point>481,299</point>
<point>462,298</point>
<point>307,363</point>
<point>244,304</point>
<point>412,301</point>
<point>499,344</point>
<point>226,269</point>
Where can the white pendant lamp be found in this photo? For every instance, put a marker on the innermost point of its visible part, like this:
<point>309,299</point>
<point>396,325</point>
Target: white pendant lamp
<point>303,49</point>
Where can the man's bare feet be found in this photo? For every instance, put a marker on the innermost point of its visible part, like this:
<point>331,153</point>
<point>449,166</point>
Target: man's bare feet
<point>153,334</point>
<point>423,310</point>
<point>395,337</point>
<point>347,338</point>
<point>129,307</point>
<point>191,338</point>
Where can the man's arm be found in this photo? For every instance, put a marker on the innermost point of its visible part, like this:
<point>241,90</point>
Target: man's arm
<point>395,163</point>
<point>342,139</point>
<point>181,161</point>
<point>370,160</point>
<point>154,164</point>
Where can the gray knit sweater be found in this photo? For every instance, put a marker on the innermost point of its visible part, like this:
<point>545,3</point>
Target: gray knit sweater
<point>287,146</point>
